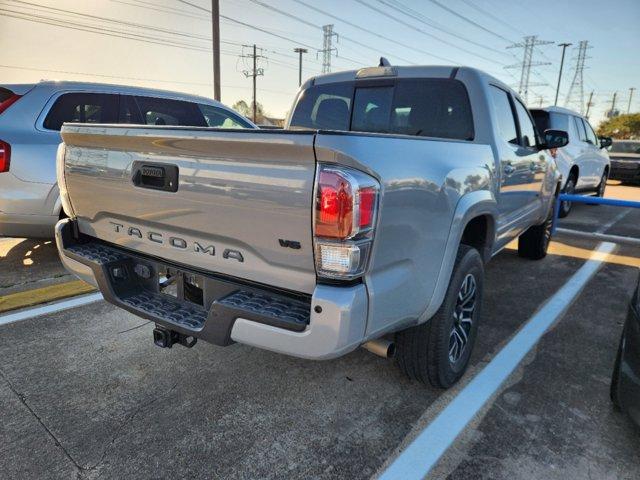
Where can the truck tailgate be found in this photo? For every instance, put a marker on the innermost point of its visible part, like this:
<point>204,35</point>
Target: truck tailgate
<point>243,204</point>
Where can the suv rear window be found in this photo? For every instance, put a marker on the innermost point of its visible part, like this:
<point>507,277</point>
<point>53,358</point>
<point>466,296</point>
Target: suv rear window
<point>546,120</point>
<point>428,107</point>
<point>82,108</point>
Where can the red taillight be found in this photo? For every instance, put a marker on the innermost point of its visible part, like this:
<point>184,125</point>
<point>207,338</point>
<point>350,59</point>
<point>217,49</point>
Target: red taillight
<point>334,214</point>
<point>5,156</point>
<point>8,102</point>
<point>345,203</point>
<point>345,217</point>
<point>367,206</point>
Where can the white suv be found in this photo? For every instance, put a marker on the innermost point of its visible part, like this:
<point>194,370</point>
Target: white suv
<point>31,116</point>
<point>584,162</point>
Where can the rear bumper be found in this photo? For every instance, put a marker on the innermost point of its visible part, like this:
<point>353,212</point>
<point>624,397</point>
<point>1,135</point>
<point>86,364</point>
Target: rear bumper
<point>325,325</point>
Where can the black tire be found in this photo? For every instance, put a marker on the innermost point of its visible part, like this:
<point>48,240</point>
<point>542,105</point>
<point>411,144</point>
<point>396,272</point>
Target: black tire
<point>614,392</point>
<point>569,189</point>
<point>603,184</point>
<point>424,351</point>
<point>534,243</point>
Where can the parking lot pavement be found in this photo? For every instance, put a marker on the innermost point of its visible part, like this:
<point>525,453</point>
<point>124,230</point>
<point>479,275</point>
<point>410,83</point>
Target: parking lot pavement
<point>84,392</point>
<point>28,264</point>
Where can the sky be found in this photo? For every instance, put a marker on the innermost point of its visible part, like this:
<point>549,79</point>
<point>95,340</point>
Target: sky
<point>167,43</point>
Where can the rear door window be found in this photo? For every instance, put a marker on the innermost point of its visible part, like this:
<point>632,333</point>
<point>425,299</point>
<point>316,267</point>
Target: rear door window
<point>165,111</point>
<point>582,134</point>
<point>527,128</point>
<point>82,108</point>
<point>221,118</point>
<point>504,115</point>
<point>591,136</point>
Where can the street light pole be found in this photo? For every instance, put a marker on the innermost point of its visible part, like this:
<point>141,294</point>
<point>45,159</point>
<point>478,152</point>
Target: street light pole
<point>564,47</point>
<point>300,51</point>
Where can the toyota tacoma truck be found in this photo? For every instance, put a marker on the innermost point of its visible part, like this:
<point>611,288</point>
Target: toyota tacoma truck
<point>366,221</point>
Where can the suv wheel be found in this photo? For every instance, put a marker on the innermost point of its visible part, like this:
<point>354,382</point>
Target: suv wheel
<point>438,350</point>
<point>534,243</point>
<point>603,184</point>
<point>569,189</point>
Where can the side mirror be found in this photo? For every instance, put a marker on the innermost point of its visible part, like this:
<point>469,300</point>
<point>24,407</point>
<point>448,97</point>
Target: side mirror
<point>555,139</point>
<point>605,142</point>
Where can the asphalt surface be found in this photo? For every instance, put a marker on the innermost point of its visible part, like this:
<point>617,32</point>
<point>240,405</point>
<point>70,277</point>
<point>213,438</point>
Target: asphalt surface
<point>85,394</point>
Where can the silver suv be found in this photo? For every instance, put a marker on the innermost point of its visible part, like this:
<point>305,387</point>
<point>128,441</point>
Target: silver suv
<point>584,162</point>
<point>31,116</point>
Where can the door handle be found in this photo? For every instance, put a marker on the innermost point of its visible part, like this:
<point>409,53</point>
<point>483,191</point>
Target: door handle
<point>509,169</point>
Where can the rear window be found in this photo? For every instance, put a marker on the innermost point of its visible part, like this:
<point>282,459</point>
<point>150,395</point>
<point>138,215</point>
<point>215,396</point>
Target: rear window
<point>82,108</point>
<point>550,120</point>
<point>430,107</point>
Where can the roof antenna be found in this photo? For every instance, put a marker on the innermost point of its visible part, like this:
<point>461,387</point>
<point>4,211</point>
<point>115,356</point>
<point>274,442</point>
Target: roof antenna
<point>384,62</point>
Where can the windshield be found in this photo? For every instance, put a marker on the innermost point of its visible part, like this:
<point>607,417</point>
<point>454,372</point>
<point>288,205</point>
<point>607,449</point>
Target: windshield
<point>625,147</point>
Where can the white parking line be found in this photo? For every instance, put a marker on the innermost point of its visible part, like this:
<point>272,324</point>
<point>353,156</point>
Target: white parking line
<point>421,455</point>
<point>50,308</point>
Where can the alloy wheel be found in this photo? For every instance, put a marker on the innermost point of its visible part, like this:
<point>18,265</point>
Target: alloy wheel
<point>462,318</point>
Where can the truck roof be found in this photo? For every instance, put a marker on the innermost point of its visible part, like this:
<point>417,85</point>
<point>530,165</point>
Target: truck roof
<point>410,71</point>
<point>559,110</point>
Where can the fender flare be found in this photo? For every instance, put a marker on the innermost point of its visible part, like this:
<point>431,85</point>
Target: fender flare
<point>470,206</point>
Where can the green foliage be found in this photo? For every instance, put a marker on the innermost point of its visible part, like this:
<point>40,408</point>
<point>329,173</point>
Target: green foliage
<point>246,109</point>
<point>622,126</point>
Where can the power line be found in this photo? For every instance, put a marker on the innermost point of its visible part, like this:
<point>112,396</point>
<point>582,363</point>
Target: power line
<point>420,30</point>
<point>468,20</point>
<point>371,32</point>
<point>527,62</point>
<point>493,17</point>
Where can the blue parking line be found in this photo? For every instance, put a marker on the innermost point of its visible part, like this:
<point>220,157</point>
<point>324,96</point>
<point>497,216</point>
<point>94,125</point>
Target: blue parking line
<point>421,455</point>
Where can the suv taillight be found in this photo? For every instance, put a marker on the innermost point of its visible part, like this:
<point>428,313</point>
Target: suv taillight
<point>5,156</point>
<point>8,102</point>
<point>344,221</point>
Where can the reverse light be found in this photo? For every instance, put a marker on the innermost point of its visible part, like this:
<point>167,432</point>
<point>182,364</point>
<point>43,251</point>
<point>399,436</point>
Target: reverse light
<point>5,156</point>
<point>345,215</point>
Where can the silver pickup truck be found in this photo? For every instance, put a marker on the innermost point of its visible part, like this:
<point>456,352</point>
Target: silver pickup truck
<point>371,214</point>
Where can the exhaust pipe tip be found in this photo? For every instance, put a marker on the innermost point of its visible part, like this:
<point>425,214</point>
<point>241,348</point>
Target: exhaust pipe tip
<point>381,347</point>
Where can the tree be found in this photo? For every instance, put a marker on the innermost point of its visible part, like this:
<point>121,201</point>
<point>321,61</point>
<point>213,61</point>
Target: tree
<point>246,109</point>
<point>622,126</point>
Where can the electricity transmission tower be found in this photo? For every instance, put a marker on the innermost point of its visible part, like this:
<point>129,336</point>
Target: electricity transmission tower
<point>252,70</point>
<point>529,44</point>
<point>327,47</point>
<point>576,90</point>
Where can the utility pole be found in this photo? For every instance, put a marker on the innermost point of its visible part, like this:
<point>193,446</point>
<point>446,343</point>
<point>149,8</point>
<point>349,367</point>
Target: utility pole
<point>327,47</point>
<point>630,97</point>
<point>254,72</point>
<point>540,100</point>
<point>215,27</point>
<point>577,84</point>
<point>564,47</point>
<point>589,104</point>
<point>528,45</point>
<point>613,104</point>
<point>300,51</point>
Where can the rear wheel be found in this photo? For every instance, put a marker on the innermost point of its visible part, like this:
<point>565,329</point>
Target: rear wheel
<point>438,350</point>
<point>534,243</point>
<point>603,184</point>
<point>569,189</point>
